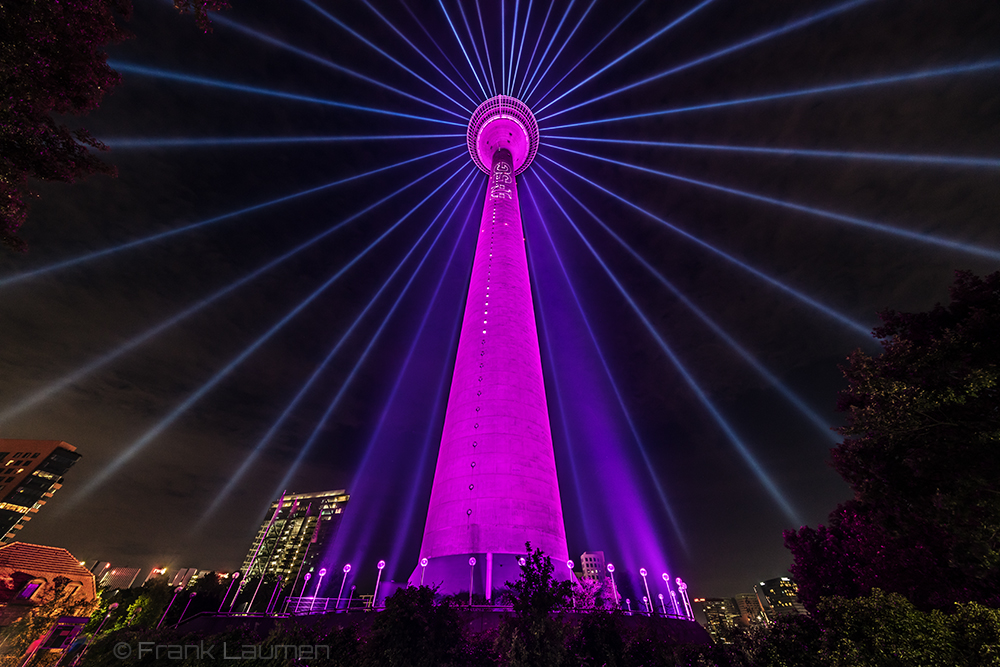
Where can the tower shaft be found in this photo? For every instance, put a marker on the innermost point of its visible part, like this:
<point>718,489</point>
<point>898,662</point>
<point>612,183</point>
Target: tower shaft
<point>495,484</point>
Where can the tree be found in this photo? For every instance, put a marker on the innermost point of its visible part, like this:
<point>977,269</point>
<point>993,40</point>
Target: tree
<point>536,635</point>
<point>52,63</point>
<point>921,454</point>
<point>414,631</point>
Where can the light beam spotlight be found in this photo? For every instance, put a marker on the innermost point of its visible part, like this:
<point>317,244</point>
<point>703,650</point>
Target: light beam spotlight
<point>268,39</point>
<point>50,389</point>
<point>419,52</point>
<point>561,49</point>
<point>905,158</point>
<point>548,46</point>
<point>256,90</point>
<point>258,449</point>
<point>758,470</point>
<point>138,445</point>
<point>664,501</point>
<point>822,425</point>
<point>538,40</point>
<point>465,53</point>
<point>381,52</point>
<point>304,450</point>
<point>967,248</point>
<point>9,280</point>
<point>794,25</point>
<point>587,55</point>
<point>967,68</point>
<point>444,55</point>
<point>125,143</point>
<point>826,310</point>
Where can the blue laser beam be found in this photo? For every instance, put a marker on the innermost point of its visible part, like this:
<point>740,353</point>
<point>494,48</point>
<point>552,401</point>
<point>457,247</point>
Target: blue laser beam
<point>520,50</point>
<point>489,63</point>
<point>396,62</point>
<point>362,479</point>
<point>716,414</point>
<point>419,52</point>
<point>138,445</point>
<point>126,143</point>
<point>664,501</point>
<point>9,280</point>
<point>53,387</point>
<point>905,158</point>
<point>304,450</point>
<point>462,46</point>
<point>226,85</point>
<point>801,208</point>
<point>821,424</point>
<point>966,68</point>
<point>587,55</point>
<point>625,55</point>
<point>826,310</point>
<point>268,39</point>
<point>561,48</point>
<point>440,50</point>
<point>472,41</point>
<point>259,448</point>
<point>548,46</point>
<point>538,40</point>
<point>790,27</point>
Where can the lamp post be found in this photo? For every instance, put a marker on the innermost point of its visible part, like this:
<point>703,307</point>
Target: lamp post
<point>340,595</point>
<point>570,564</point>
<point>683,588</point>
<point>167,610</point>
<point>378,580</point>
<point>472,577</point>
<point>305,582</point>
<point>274,594</point>
<point>319,580</point>
<point>662,605</point>
<point>673,598</point>
<point>190,600</point>
<point>350,597</point>
<point>236,575</point>
<point>423,569</point>
<point>648,599</point>
<point>628,603</point>
<point>611,571</point>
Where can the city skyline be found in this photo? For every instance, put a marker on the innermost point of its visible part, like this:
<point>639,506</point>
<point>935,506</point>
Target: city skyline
<point>148,463</point>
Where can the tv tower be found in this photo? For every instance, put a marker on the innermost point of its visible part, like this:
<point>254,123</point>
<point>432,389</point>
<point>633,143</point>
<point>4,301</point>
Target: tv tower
<point>495,484</point>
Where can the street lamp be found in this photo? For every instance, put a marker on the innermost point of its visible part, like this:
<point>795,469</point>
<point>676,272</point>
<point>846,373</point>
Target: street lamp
<point>340,595</point>
<point>236,575</point>
<point>190,600</point>
<point>274,594</point>
<point>378,580</point>
<point>683,588</point>
<point>319,580</point>
<point>648,598</point>
<point>305,583</point>
<point>167,610</point>
<point>662,605</point>
<point>673,598</point>
<point>423,569</point>
<point>611,571</point>
<point>472,577</point>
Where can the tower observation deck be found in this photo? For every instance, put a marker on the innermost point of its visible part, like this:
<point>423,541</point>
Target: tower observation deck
<point>495,484</point>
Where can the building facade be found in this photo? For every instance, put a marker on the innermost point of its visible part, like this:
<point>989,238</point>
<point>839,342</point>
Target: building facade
<point>593,566</point>
<point>30,472</point>
<point>293,537</point>
<point>779,597</point>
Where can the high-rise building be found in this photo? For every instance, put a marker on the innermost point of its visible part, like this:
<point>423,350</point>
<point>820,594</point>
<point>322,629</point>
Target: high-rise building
<point>495,484</point>
<point>749,610</point>
<point>593,565</point>
<point>30,472</point>
<point>294,536</point>
<point>779,597</point>
<point>721,617</point>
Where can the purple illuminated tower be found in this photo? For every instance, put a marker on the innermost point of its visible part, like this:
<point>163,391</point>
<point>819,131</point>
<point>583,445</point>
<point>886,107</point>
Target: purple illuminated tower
<point>495,484</point>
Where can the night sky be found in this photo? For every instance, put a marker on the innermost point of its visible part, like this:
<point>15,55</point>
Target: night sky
<point>160,443</point>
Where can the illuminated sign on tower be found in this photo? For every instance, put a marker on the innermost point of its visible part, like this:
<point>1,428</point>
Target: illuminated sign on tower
<point>495,484</point>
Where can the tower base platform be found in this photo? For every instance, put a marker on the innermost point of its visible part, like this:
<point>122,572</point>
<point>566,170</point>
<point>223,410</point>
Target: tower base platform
<point>453,574</point>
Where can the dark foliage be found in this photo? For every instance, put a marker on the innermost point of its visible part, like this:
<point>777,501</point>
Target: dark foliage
<point>53,64</point>
<point>413,631</point>
<point>921,454</point>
